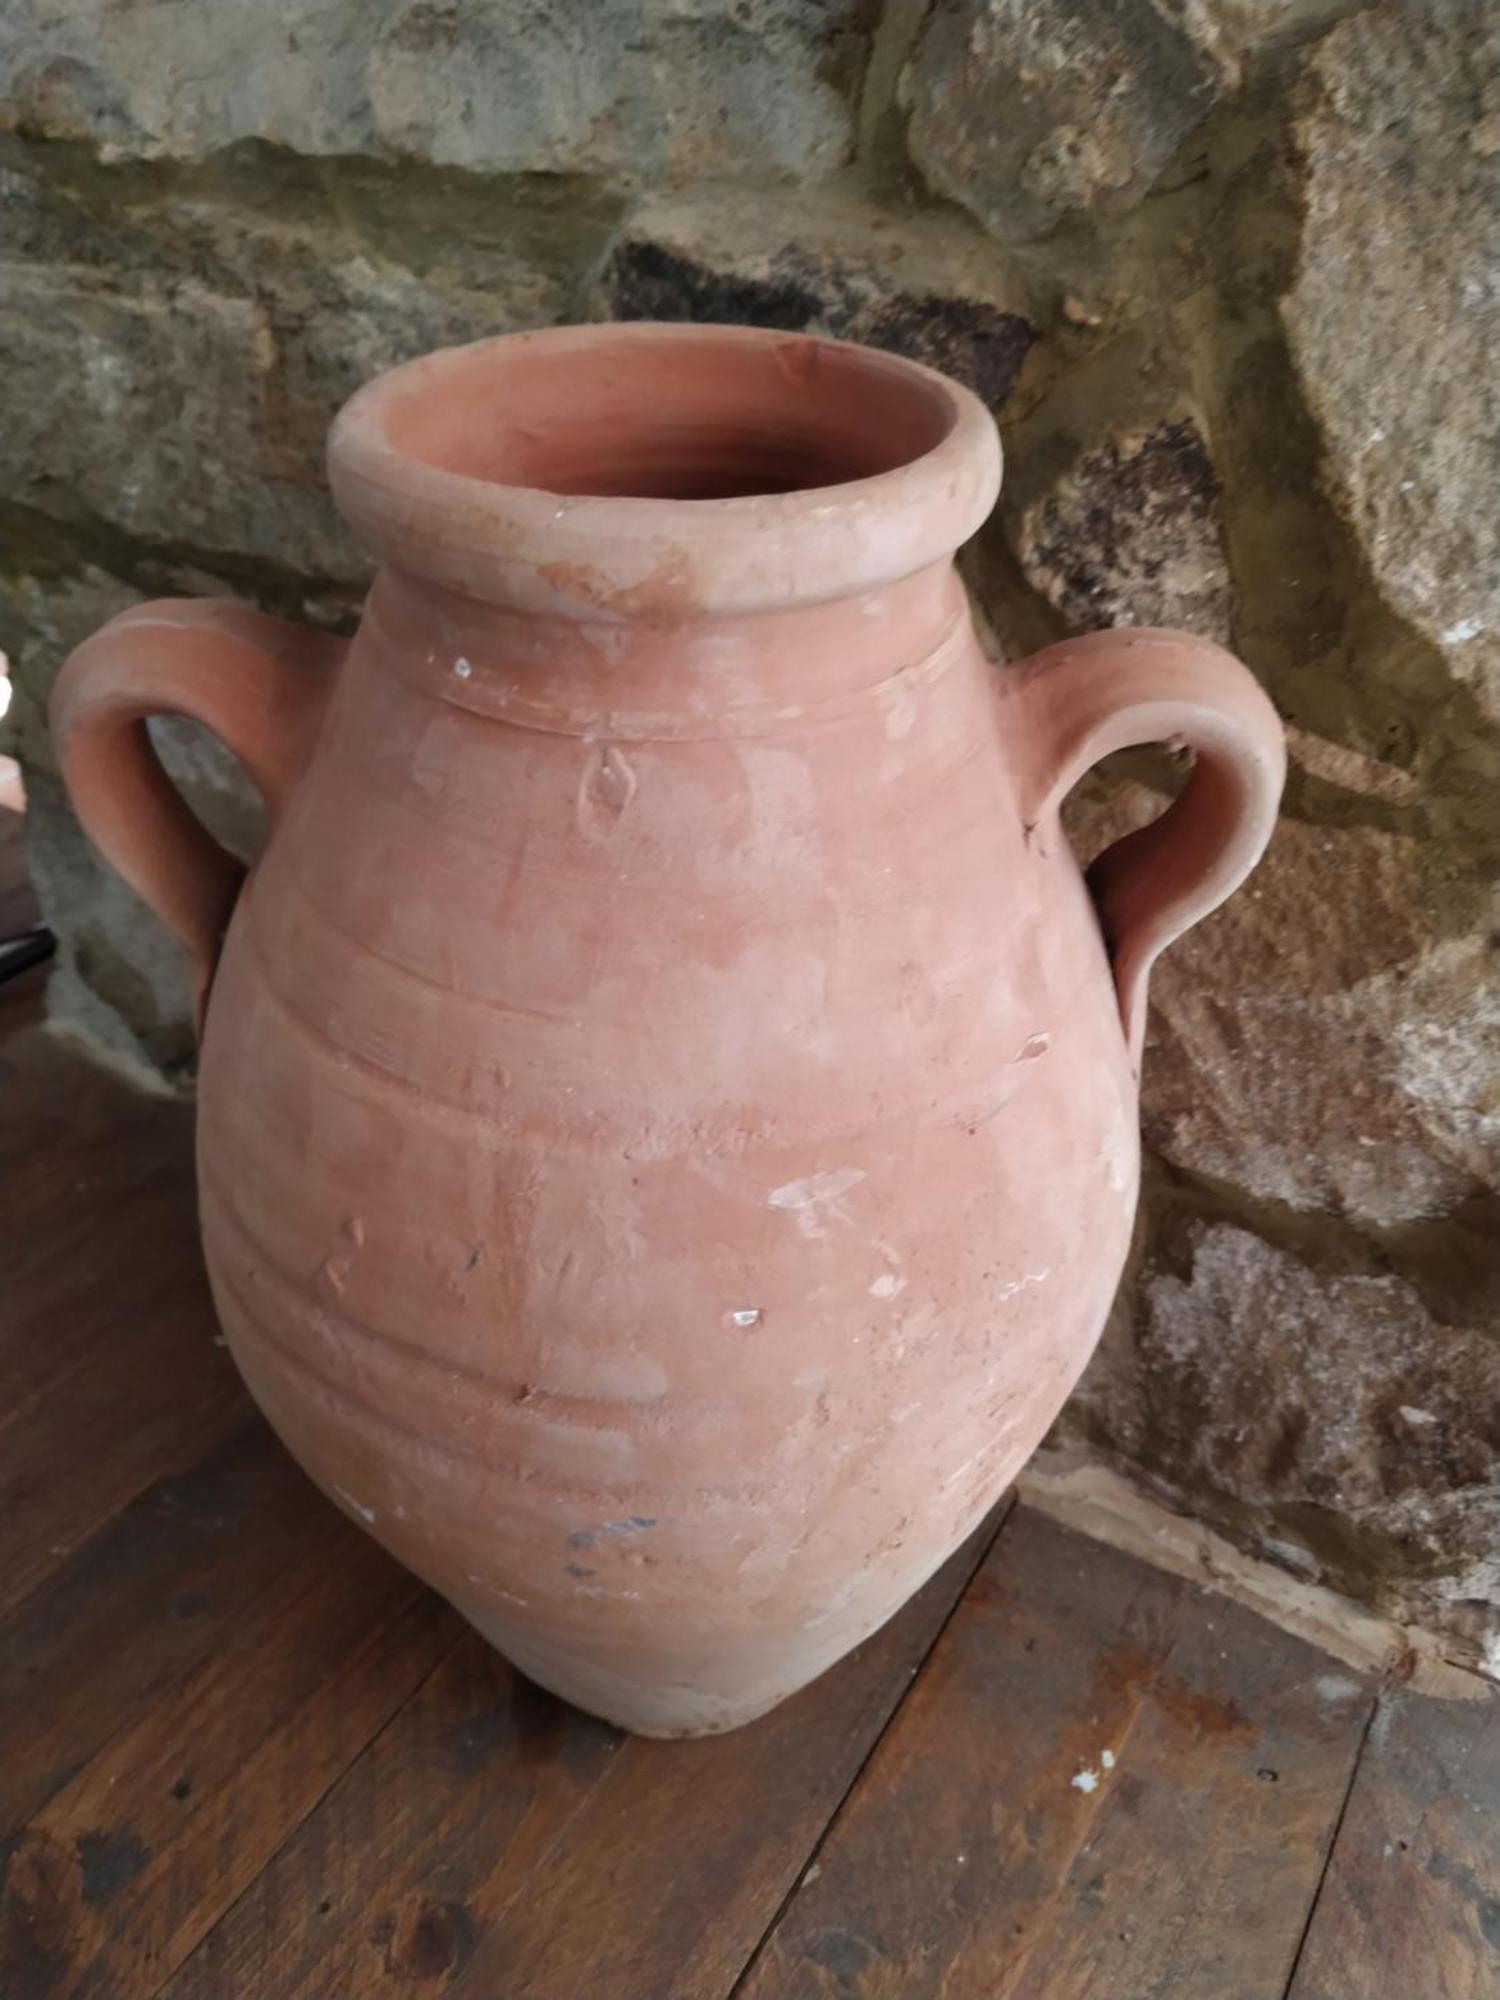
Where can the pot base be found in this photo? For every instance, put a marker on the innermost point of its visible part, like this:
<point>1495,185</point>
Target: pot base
<point>661,1710</point>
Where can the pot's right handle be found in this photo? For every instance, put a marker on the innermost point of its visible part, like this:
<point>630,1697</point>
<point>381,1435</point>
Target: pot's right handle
<point>258,683</point>
<point>1087,697</point>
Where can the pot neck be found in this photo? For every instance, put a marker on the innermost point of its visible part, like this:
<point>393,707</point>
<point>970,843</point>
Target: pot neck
<point>710,675</point>
<point>661,475</point>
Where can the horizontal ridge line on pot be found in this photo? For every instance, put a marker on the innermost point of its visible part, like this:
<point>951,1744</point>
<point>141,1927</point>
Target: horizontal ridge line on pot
<point>535,1402</point>
<point>491,1003</point>
<point>744,471</point>
<point>426,1445</point>
<point>965,1106</point>
<point>598,1496</point>
<point>475,690</point>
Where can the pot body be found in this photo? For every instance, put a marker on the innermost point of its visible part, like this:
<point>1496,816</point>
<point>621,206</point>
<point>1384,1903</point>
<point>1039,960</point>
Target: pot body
<point>667,1136</point>
<point>665,1184</point>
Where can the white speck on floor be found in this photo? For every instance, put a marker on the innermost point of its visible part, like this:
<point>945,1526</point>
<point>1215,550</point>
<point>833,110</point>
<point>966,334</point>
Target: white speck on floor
<point>1085,1781</point>
<point>1107,1759</point>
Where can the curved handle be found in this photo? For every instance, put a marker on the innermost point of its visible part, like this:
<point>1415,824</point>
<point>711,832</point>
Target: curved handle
<point>1087,697</point>
<point>257,682</point>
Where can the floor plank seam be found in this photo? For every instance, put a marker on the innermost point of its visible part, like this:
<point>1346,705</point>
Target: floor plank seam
<point>1333,1841</point>
<point>313,1806</point>
<point>809,1859</point>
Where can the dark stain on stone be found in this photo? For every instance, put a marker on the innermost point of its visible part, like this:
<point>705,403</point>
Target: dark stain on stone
<point>1167,480</point>
<point>1355,1557</point>
<point>980,344</point>
<point>1282,1458</point>
<point>183,1789</point>
<point>108,1861</point>
<point>648,281</point>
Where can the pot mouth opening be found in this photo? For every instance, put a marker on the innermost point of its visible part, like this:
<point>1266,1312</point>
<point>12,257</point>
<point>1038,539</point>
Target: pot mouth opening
<point>694,455</point>
<point>656,417</point>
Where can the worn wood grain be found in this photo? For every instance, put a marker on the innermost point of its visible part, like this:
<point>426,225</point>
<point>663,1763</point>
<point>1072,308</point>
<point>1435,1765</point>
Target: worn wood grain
<point>124,1870</point>
<point>380,1889</point>
<point>1104,1785</point>
<point>147,1403</point>
<point>98,1298</point>
<point>175,1575</point>
<point>496,1841</point>
<point>109,1376</point>
<point>73,1137</point>
<point>1411,1901</point>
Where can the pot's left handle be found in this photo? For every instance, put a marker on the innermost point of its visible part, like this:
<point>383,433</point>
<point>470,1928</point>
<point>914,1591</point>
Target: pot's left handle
<point>258,683</point>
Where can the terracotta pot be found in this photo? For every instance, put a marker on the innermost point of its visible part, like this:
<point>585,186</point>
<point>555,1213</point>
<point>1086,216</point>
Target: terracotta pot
<point>667,1108</point>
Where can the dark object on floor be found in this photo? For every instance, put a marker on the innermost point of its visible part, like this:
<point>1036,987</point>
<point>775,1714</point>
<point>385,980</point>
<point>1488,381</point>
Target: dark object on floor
<point>20,953</point>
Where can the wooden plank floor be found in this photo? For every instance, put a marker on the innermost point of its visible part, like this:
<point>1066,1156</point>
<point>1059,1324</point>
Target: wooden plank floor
<point>243,1756</point>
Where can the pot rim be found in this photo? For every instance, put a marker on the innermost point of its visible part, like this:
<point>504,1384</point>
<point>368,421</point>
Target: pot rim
<point>609,555</point>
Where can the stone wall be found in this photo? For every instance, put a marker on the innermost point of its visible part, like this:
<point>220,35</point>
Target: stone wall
<point>1228,272</point>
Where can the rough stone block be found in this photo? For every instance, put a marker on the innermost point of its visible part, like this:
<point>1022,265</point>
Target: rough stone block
<point>1029,112</point>
<point>1336,1420</point>
<point>154,410</point>
<point>1395,315</point>
<point>179,344</point>
<point>1132,534</point>
<point>626,88</point>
